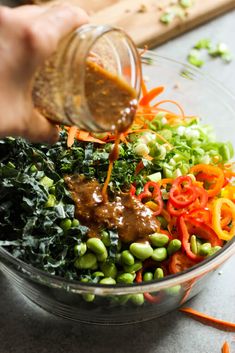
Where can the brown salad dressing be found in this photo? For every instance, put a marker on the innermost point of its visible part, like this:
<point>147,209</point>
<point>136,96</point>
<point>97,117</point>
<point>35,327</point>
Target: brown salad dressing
<point>133,220</point>
<point>112,102</point>
<point>110,98</point>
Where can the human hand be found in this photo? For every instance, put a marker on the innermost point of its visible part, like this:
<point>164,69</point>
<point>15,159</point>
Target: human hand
<point>28,36</point>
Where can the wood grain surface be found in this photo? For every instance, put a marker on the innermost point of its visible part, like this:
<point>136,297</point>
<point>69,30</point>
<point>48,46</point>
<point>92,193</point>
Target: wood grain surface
<point>141,18</point>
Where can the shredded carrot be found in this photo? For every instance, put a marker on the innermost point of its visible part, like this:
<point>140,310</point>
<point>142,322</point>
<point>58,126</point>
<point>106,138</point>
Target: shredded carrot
<point>149,96</point>
<point>210,320</point>
<point>225,348</point>
<point>85,136</point>
<point>71,136</point>
<point>143,88</point>
<point>172,102</point>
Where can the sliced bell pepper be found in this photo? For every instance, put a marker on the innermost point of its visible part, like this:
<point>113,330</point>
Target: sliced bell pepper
<point>201,214</point>
<point>205,173</point>
<point>182,192</point>
<point>132,190</point>
<point>180,262</point>
<point>216,218</point>
<point>153,193</point>
<point>188,226</point>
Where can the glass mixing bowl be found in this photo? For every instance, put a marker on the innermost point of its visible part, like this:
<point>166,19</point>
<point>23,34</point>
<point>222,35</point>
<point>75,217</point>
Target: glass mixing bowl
<point>199,95</point>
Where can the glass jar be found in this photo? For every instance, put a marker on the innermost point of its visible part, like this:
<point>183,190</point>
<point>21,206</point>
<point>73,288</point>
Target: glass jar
<point>68,90</point>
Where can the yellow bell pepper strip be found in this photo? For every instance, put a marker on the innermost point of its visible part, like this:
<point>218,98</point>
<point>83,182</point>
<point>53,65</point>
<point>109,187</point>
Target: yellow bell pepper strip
<point>216,218</point>
<point>210,174</point>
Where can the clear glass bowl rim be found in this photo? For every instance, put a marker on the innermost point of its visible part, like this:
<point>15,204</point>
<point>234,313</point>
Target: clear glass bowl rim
<point>196,271</point>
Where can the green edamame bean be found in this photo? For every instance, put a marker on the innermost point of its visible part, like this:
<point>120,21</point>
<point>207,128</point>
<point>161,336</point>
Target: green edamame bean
<point>105,238</point>
<point>84,280</point>
<point>125,278</point>
<point>97,274</point>
<point>137,299</point>
<point>173,246</point>
<point>173,290</point>
<point>148,276</point>
<point>75,222</point>
<point>118,259</point>
<point>88,297</point>
<point>133,268</point>
<point>86,261</point>
<point>109,269</point>
<point>141,251</point>
<point>214,250</point>
<point>158,239</point>
<point>107,280</point>
<point>205,249</point>
<point>123,299</point>
<point>96,245</point>
<point>102,257</point>
<point>80,249</point>
<point>127,258</point>
<point>65,224</point>
<point>33,168</point>
<point>193,244</point>
<point>158,273</point>
<point>94,267</point>
<point>159,254</point>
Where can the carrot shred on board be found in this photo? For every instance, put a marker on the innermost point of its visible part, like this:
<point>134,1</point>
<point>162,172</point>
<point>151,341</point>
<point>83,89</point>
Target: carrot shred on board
<point>149,96</point>
<point>225,348</point>
<point>71,136</point>
<point>210,320</point>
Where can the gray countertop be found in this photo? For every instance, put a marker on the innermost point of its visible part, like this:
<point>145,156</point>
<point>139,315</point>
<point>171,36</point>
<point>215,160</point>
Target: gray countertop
<point>25,328</point>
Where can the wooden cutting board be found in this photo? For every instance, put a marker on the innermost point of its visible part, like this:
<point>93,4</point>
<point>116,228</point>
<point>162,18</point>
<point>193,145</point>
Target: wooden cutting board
<point>141,18</point>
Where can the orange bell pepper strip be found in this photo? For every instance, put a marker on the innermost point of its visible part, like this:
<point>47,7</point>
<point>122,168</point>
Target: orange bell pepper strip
<point>208,171</point>
<point>216,218</point>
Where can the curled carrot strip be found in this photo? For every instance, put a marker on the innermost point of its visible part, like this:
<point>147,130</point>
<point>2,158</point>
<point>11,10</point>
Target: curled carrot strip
<point>172,102</point>
<point>149,96</point>
<point>210,320</point>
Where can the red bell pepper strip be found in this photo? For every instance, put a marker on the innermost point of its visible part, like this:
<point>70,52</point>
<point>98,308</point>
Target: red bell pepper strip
<point>182,192</point>
<point>176,212</point>
<point>132,190</point>
<point>152,192</point>
<point>180,262</point>
<point>188,226</point>
<point>202,198</point>
<point>201,214</point>
<point>200,202</point>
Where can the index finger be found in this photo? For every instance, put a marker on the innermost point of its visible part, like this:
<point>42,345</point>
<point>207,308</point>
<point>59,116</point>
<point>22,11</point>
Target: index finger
<point>51,26</point>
